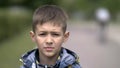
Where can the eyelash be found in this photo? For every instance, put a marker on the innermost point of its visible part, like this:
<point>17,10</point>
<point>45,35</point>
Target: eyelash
<point>42,34</point>
<point>53,34</point>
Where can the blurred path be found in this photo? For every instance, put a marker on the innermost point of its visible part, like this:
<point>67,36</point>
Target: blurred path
<point>84,41</point>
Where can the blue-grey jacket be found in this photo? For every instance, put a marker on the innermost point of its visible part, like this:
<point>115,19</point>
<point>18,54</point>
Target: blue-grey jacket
<point>68,59</point>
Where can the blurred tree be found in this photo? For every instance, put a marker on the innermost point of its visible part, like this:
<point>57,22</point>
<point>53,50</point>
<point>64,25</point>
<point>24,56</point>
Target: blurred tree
<point>26,3</point>
<point>113,6</point>
<point>89,6</point>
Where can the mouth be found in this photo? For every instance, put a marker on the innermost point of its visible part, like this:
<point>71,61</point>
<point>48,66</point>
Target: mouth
<point>49,49</point>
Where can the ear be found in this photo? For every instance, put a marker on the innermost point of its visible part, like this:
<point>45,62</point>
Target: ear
<point>32,35</point>
<point>66,36</point>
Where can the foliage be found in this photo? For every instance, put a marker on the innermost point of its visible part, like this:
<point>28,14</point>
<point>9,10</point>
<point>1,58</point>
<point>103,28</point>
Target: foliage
<point>13,21</point>
<point>89,6</point>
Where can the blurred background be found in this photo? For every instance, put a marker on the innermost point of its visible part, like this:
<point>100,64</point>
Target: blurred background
<point>15,24</point>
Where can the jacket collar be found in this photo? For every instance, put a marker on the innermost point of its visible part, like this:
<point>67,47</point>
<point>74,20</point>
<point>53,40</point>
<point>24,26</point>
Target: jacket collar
<point>67,57</point>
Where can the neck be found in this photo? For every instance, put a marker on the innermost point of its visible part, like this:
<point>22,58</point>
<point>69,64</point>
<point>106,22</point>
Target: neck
<point>48,60</point>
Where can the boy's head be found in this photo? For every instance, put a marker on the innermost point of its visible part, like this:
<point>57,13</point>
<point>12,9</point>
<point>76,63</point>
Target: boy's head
<point>49,30</point>
<point>51,14</point>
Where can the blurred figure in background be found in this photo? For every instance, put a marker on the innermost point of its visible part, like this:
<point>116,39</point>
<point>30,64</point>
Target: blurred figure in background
<point>102,17</point>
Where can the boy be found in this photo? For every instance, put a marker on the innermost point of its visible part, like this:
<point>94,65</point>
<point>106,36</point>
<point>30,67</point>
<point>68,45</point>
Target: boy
<point>49,32</point>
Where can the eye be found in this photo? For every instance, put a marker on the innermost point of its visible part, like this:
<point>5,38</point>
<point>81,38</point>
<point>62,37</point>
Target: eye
<point>56,34</point>
<point>42,34</point>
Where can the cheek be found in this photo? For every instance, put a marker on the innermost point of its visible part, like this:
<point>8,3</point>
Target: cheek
<point>58,45</point>
<point>59,41</point>
<point>38,41</point>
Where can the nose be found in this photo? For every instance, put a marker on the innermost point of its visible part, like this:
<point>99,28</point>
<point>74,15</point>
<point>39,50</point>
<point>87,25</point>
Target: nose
<point>49,40</point>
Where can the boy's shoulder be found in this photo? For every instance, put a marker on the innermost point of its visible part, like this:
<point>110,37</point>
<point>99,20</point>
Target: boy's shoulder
<point>69,58</point>
<point>70,54</point>
<point>28,56</point>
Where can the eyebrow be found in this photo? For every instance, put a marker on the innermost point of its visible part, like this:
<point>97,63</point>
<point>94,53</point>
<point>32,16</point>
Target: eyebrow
<point>49,31</point>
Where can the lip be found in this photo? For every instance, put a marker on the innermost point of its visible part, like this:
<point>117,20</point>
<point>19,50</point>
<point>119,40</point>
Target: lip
<point>49,49</point>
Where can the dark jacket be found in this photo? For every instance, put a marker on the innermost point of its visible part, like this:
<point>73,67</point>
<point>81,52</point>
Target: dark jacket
<point>68,59</point>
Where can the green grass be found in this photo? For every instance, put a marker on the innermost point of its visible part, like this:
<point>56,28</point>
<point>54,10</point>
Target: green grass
<point>12,49</point>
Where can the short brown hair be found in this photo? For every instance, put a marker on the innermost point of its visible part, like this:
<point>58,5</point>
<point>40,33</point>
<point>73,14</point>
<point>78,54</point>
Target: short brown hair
<point>50,13</point>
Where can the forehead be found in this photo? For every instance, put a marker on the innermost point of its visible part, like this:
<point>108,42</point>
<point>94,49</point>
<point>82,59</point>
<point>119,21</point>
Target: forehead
<point>48,26</point>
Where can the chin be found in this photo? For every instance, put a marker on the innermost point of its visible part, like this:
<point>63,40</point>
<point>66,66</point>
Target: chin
<point>50,54</point>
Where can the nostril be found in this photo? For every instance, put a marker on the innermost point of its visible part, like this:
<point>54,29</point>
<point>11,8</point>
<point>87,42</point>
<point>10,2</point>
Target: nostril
<point>49,43</point>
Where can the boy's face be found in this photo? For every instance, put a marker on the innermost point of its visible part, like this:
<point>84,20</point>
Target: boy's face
<point>49,39</point>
